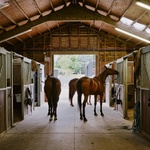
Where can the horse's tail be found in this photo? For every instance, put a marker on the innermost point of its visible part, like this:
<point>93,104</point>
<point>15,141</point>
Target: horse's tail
<point>70,95</point>
<point>55,90</point>
<point>79,86</point>
<point>54,86</point>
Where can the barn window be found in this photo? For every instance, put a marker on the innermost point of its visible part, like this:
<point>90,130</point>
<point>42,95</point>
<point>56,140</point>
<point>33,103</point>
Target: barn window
<point>126,21</point>
<point>148,30</point>
<point>139,26</point>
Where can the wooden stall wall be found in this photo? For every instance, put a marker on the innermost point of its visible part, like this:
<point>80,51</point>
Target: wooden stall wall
<point>42,81</point>
<point>109,87</point>
<point>144,86</point>
<point>23,78</point>
<point>2,112</point>
<point>119,87</point>
<point>9,91</point>
<point>5,91</point>
<point>17,89</point>
<point>145,122</point>
<point>122,87</point>
<point>27,83</point>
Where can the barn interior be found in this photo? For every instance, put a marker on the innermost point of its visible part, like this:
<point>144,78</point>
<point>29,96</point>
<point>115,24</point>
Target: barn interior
<point>34,28</point>
<point>108,29</point>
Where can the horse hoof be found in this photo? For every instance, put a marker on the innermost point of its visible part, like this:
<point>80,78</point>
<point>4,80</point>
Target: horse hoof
<point>50,119</point>
<point>72,105</point>
<point>96,114</point>
<point>102,114</point>
<point>55,119</point>
<point>85,120</point>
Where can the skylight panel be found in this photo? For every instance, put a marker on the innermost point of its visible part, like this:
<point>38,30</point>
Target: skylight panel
<point>126,21</point>
<point>139,26</point>
<point>148,30</point>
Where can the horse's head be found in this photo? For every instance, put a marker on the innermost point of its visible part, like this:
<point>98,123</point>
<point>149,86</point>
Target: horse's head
<point>111,71</point>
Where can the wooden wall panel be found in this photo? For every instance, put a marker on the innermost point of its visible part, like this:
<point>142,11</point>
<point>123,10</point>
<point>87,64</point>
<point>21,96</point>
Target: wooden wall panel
<point>74,42</point>
<point>92,42</point>
<point>64,42</point>
<point>145,112</point>
<point>9,111</point>
<point>56,42</point>
<point>2,112</point>
<point>83,42</point>
<point>17,74</point>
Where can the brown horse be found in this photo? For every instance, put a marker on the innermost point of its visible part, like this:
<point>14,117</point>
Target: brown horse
<point>52,90</point>
<point>73,89</point>
<point>92,86</point>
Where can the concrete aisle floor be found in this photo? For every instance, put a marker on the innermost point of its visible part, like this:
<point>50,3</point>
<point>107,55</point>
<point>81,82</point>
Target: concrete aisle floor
<point>110,132</point>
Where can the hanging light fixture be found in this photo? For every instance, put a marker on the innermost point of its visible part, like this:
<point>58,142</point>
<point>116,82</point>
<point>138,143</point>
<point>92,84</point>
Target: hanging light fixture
<point>143,4</point>
<point>132,35</point>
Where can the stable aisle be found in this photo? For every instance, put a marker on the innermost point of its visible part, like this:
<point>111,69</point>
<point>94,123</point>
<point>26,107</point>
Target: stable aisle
<point>110,132</point>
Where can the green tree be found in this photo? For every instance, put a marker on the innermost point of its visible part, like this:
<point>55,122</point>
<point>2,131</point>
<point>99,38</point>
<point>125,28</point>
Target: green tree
<point>72,63</point>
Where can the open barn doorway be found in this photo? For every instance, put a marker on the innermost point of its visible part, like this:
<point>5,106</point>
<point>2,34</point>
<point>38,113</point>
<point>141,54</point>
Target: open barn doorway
<point>67,67</point>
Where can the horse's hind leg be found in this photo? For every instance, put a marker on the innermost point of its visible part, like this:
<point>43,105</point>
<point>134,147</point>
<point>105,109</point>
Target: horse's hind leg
<point>84,105</point>
<point>79,103</point>
<point>101,99</point>
<point>49,108</point>
<point>71,98</point>
<point>89,100</point>
<point>51,112</point>
<point>51,115</point>
<point>95,103</point>
<point>55,112</point>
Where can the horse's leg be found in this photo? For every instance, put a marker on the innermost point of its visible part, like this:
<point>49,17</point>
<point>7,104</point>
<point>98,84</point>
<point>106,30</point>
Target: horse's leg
<point>95,103</point>
<point>101,99</point>
<point>55,116</point>
<point>49,107</point>
<point>90,100</point>
<point>51,111</point>
<point>84,105</point>
<point>71,98</point>
<point>55,111</point>
<point>79,103</point>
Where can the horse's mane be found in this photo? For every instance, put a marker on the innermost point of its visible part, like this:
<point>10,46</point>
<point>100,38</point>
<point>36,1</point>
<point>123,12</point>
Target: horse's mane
<point>99,77</point>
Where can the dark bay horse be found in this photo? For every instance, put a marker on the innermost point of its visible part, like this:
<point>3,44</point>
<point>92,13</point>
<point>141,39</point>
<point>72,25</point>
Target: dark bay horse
<point>92,86</point>
<point>52,91</point>
<point>73,89</point>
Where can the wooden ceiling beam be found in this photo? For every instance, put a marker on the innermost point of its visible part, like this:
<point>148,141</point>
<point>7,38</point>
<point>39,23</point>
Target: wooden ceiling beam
<point>71,13</point>
<point>36,5</point>
<point>51,5</point>
<point>8,17</point>
<point>21,10</point>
